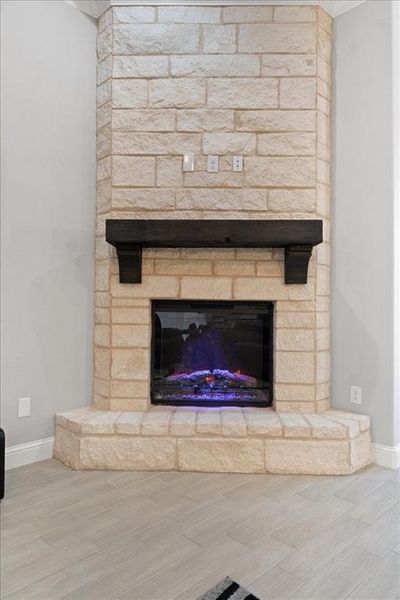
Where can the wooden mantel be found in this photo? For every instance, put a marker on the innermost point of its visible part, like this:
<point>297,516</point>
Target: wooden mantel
<point>297,236</point>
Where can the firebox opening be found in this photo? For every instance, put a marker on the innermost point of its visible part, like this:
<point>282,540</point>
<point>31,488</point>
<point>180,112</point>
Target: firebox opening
<point>212,353</point>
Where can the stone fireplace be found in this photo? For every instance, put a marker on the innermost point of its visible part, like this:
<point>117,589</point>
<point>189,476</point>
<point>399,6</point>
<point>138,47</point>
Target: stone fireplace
<point>252,81</point>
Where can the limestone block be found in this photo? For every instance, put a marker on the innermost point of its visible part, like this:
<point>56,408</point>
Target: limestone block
<point>295,426</point>
<point>169,172</point>
<point>103,195</point>
<point>324,19</point>
<point>208,421</point>
<point>225,179</point>
<point>143,120</point>
<point>360,451</point>
<point>66,447</point>
<point>102,275</point>
<point>275,120</point>
<point>280,172</point>
<point>323,428</point>
<point>221,456</point>
<point>221,199</point>
<point>103,94</point>
<point>323,339</point>
<point>188,14</point>
<point>323,280</point>
<point>233,422</point>
<point>295,319</point>
<point>104,41</point>
<point>298,92</point>
<point>101,387</point>
<point>262,422</point>
<point>104,169</point>
<point>269,268</point>
<point>205,120</point>
<point>140,66</point>
<point>219,39</point>
<point>278,38</point>
<point>130,364</point>
<point>268,288</point>
<point>101,362</point>
<point>156,143</point>
<point>307,457</point>
<point>197,288</point>
<point>295,407</point>
<point>130,170</point>
<point>294,393</point>
<point>129,404</point>
<point>353,427</point>
<point>233,143</point>
<point>156,39</point>
<point>243,93</point>
<point>294,367</point>
<point>133,14</point>
<point>291,200</point>
<point>208,253</point>
<point>286,144</point>
<point>104,70</point>
<point>233,267</point>
<point>130,315</point>
<point>103,115</point>
<point>323,366</point>
<point>183,267</point>
<point>131,335</point>
<point>214,65</point>
<point>247,14</point>
<point>129,422</point>
<point>102,335</point>
<point>71,419</point>
<point>127,453</point>
<point>102,315</point>
<point>105,20</point>
<point>152,286</point>
<point>177,93</point>
<point>129,93</point>
<point>324,44</point>
<point>143,199</point>
<point>364,421</point>
<point>129,389</point>
<point>288,65</point>
<point>156,422</point>
<point>102,422</point>
<point>183,422</point>
<point>295,14</point>
<point>295,339</point>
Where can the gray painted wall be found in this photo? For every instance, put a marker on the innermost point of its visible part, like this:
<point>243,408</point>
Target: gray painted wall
<point>48,211</point>
<point>362,276</point>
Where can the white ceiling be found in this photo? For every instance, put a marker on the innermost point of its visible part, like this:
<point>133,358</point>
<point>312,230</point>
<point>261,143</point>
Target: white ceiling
<point>95,8</point>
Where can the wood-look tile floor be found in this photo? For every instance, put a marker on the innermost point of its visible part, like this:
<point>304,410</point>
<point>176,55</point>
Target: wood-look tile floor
<point>109,535</point>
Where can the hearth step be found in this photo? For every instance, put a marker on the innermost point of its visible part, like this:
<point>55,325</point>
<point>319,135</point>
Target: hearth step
<point>238,440</point>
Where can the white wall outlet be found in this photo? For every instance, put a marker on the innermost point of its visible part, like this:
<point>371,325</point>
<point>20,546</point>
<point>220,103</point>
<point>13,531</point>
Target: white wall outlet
<point>188,162</point>
<point>355,394</point>
<point>237,163</point>
<point>212,164</point>
<point>24,407</point>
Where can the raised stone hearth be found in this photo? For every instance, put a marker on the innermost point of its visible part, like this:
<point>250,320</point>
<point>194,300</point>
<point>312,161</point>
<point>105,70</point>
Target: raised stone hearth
<point>216,440</point>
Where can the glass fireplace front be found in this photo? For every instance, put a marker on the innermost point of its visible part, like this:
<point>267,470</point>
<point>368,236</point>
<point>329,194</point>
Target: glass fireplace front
<point>207,353</point>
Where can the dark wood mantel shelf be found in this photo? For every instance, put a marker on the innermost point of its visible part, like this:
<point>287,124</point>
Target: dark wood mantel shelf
<point>129,236</point>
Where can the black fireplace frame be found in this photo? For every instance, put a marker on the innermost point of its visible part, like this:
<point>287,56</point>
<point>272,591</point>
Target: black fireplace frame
<point>203,303</point>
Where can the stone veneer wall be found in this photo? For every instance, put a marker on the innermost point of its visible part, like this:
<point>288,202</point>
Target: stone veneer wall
<point>253,81</point>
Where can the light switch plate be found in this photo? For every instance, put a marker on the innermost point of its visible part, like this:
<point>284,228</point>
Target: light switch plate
<point>212,164</point>
<point>237,163</point>
<point>24,407</point>
<point>188,162</point>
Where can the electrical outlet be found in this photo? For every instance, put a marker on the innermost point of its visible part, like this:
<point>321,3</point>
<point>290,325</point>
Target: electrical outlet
<point>188,162</point>
<point>237,163</point>
<point>212,164</point>
<point>24,407</point>
<point>355,394</point>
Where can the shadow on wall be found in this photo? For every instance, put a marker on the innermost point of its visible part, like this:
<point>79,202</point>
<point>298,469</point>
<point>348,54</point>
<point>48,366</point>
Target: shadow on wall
<point>355,353</point>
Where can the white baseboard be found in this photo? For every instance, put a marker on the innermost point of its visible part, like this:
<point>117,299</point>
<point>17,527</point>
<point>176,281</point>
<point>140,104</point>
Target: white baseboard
<point>386,456</point>
<point>26,454</point>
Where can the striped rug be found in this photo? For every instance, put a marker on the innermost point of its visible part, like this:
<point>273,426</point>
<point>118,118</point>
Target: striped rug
<point>227,590</point>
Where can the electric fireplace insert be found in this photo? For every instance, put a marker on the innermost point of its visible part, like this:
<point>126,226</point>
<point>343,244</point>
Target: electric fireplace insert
<point>211,353</point>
